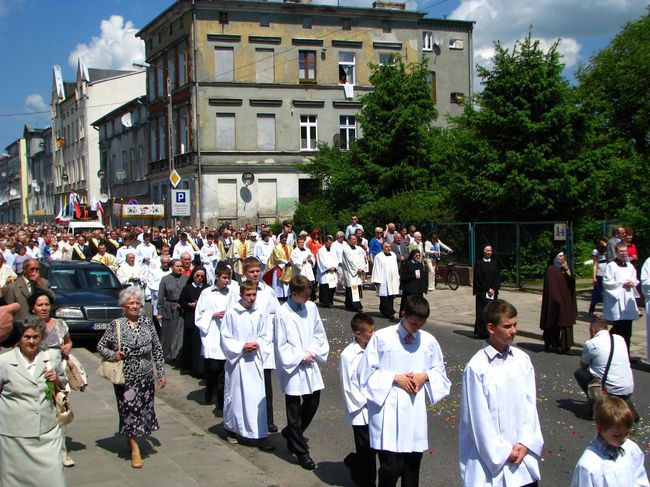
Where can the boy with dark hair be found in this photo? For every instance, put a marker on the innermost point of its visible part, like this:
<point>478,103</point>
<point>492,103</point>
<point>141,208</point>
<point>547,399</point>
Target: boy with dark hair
<point>300,341</point>
<point>210,310</point>
<point>400,363</point>
<point>611,459</point>
<point>246,341</point>
<point>362,464</point>
<point>500,436</point>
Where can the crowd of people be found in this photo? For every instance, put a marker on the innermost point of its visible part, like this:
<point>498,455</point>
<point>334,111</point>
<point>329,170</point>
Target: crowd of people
<point>234,306</point>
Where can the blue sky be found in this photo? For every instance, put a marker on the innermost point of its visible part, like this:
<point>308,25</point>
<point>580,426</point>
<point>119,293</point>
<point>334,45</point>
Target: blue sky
<point>37,34</point>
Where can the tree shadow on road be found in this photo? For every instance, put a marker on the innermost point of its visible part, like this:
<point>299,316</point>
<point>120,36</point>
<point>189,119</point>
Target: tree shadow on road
<point>575,406</point>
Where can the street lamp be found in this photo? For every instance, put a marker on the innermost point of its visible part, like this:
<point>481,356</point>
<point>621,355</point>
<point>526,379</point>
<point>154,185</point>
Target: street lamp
<point>170,147</point>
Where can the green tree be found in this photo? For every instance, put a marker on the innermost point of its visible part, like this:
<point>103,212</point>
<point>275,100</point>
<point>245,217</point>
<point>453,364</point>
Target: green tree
<point>395,155</point>
<point>518,155</point>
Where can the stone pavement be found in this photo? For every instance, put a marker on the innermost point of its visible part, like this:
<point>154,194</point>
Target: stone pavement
<point>179,454</point>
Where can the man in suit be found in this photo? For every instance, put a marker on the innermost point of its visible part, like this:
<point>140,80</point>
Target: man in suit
<point>80,250</point>
<point>22,288</point>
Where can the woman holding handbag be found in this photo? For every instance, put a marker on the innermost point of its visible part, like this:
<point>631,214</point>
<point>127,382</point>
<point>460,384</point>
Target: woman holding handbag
<point>133,341</point>
<point>57,340</point>
<point>30,440</point>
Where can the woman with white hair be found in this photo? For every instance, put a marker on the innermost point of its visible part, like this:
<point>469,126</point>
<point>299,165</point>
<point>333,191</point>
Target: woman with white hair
<point>137,344</point>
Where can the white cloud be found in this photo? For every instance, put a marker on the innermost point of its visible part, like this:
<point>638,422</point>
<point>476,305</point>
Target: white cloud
<point>35,103</point>
<point>115,48</point>
<point>510,20</point>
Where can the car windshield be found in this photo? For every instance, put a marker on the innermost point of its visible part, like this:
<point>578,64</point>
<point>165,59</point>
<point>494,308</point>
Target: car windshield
<point>83,278</point>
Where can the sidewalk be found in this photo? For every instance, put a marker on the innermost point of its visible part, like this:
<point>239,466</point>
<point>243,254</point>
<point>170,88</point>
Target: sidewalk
<point>179,454</point>
<point>457,308</point>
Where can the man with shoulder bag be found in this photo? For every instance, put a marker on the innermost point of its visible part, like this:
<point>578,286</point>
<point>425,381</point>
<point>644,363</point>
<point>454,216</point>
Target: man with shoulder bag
<point>605,367</point>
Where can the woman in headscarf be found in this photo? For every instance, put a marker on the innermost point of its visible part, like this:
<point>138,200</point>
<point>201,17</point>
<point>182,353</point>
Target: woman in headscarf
<point>413,277</point>
<point>559,308</point>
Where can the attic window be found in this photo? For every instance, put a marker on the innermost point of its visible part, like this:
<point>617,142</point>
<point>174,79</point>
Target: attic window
<point>223,18</point>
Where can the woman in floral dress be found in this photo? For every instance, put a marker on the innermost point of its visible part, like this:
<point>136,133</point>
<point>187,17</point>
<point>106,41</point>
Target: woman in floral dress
<point>139,348</point>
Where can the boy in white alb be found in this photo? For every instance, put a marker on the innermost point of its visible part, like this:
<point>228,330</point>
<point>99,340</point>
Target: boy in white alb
<point>245,341</point>
<point>500,436</point>
<point>362,463</point>
<point>210,310</point>
<point>401,365</point>
<point>300,342</point>
<point>611,459</point>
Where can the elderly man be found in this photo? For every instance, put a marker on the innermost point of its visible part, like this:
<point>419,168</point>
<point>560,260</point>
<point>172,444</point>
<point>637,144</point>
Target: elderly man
<point>354,261</point>
<point>20,289</point>
<point>153,284</point>
<point>327,275</point>
<point>131,272</point>
<point>186,263</point>
<point>103,257</point>
<point>385,276</point>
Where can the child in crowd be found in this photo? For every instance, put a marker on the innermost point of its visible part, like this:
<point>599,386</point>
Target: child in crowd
<point>246,342</point>
<point>500,436</point>
<point>362,464</point>
<point>611,459</point>
<point>300,342</point>
<point>400,363</point>
<point>210,310</point>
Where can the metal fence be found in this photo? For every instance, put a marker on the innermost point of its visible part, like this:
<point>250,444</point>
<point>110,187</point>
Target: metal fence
<point>522,248</point>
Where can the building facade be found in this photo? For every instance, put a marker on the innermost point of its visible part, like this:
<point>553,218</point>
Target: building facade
<point>74,105</point>
<point>40,185</point>
<point>123,144</point>
<point>255,86</point>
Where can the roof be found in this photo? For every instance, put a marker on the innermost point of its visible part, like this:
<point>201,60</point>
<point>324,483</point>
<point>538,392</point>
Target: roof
<point>100,74</point>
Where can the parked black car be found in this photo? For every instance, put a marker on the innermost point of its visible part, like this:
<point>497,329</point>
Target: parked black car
<point>86,294</point>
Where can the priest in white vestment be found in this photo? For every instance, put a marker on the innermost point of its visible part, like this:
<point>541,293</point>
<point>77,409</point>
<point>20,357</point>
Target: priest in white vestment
<point>354,262</point>
<point>327,275</point>
<point>385,276</point>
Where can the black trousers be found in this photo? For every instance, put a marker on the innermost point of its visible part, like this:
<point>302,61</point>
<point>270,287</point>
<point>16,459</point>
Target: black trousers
<point>480,326</point>
<point>351,305</point>
<point>386,304</point>
<point>363,463</point>
<point>191,351</point>
<point>215,377</point>
<point>268,388</point>
<point>393,466</point>
<point>300,411</point>
<point>623,328</point>
<point>326,294</point>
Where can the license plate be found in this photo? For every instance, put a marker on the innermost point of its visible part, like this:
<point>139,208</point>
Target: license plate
<point>100,326</point>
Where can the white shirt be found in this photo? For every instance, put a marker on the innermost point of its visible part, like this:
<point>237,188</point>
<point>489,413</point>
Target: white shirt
<point>594,469</point>
<point>595,354</point>
<point>498,410</point>
<point>66,250</point>
<point>397,420</point>
<point>352,228</point>
<point>263,250</point>
<point>386,274</point>
<point>180,249</point>
<point>34,252</point>
<point>210,255</point>
<point>337,248</point>
<point>212,300</point>
<point>619,303</point>
<point>122,252</point>
<point>301,263</point>
<point>298,333</point>
<point>354,402</point>
<point>146,252</point>
<point>326,260</point>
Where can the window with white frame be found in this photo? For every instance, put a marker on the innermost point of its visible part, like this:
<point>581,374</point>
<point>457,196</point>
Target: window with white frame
<point>427,41</point>
<point>225,131</point>
<point>347,131</point>
<point>347,70</point>
<point>308,132</point>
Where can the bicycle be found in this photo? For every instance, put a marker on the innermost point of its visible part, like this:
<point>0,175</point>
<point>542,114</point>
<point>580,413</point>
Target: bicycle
<point>447,274</point>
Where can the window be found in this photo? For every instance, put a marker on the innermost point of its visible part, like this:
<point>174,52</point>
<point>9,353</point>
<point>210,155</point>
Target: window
<point>264,66</point>
<point>223,17</point>
<point>346,68</point>
<point>171,68</point>
<point>223,62</point>
<point>458,98</point>
<point>225,131</point>
<point>431,79</point>
<point>265,131</point>
<point>347,130</point>
<point>308,132</point>
<point>184,127</point>
<point>264,20</point>
<point>133,171</point>
<point>151,77</point>
<point>306,22</point>
<point>160,78</point>
<point>427,41</point>
<point>162,138</point>
<point>182,79</point>
<point>456,44</point>
<point>307,66</point>
<point>153,136</point>
<point>140,162</point>
<point>386,26</point>
<point>347,24</point>
<point>386,58</point>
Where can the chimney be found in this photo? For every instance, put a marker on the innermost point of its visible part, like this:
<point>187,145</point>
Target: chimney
<point>390,5</point>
